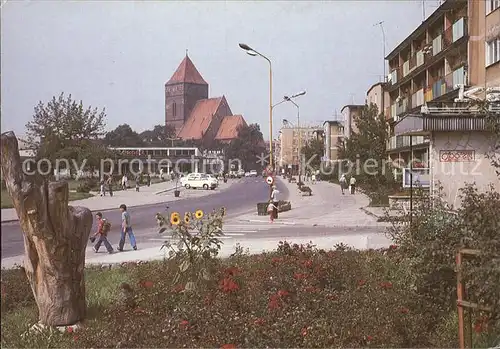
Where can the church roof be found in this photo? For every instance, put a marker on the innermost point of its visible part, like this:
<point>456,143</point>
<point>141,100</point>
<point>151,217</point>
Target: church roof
<point>201,117</point>
<point>186,73</point>
<point>229,127</point>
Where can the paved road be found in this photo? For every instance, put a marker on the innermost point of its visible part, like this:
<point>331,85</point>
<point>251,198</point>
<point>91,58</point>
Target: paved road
<point>239,198</point>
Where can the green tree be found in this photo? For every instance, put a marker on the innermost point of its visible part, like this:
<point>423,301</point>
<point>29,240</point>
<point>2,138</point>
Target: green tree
<point>159,136</point>
<point>313,152</point>
<point>367,146</point>
<point>65,129</point>
<point>123,136</point>
<point>248,147</point>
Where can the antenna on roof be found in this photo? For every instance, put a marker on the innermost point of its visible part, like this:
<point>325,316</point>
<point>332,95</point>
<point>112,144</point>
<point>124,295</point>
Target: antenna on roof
<point>186,52</point>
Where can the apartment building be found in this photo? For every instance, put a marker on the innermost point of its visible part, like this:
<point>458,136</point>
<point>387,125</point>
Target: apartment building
<point>289,144</point>
<point>349,113</point>
<point>456,47</point>
<point>333,134</point>
<point>377,94</point>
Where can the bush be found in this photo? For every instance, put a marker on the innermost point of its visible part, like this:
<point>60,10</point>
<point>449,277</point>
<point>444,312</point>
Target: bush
<point>431,244</point>
<point>88,185</point>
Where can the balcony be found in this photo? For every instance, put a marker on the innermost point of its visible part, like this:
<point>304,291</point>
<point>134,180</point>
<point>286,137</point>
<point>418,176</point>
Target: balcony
<point>400,142</point>
<point>439,44</point>
<point>445,85</point>
<point>417,99</point>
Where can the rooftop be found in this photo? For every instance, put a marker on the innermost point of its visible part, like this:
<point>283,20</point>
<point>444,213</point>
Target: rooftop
<point>186,73</point>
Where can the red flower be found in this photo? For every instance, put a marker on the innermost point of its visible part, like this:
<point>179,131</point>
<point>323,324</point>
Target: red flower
<point>393,247</point>
<point>404,310</point>
<point>361,282</point>
<point>75,338</point>
<point>178,288</point>
<point>228,285</point>
<point>481,325</point>
<point>147,284</point>
<point>304,331</point>
<point>259,321</point>
<point>276,260</point>
<point>184,324</point>
<point>308,263</point>
<point>386,285</point>
<point>282,293</point>
<point>332,297</point>
<point>228,346</point>
<point>70,329</point>
<point>273,304</point>
<point>369,338</point>
<point>299,276</point>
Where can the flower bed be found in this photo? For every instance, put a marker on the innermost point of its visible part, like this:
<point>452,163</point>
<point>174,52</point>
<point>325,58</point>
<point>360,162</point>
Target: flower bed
<point>295,297</point>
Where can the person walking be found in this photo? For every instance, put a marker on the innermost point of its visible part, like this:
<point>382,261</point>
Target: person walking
<point>353,185</point>
<point>313,178</point>
<point>103,228</point>
<point>109,182</point>
<point>103,190</point>
<point>275,201</point>
<point>343,183</point>
<point>126,229</point>
<point>124,182</point>
<point>270,209</point>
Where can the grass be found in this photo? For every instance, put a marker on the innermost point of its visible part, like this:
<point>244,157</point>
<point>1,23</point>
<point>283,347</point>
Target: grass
<point>295,297</point>
<point>7,202</point>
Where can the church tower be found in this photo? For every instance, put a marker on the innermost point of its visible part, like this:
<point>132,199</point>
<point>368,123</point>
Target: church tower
<point>182,91</point>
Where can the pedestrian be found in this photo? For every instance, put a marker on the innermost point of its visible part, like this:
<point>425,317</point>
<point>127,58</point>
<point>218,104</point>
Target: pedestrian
<point>275,201</point>
<point>124,182</point>
<point>353,185</point>
<point>109,182</point>
<point>313,178</point>
<point>343,183</point>
<point>103,191</point>
<point>271,208</point>
<point>126,229</point>
<point>148,179</point>
<point>103,228</point>
<point>137,183</point>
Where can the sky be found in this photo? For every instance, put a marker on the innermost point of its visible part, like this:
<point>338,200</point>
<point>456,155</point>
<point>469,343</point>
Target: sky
<point>119,54</point>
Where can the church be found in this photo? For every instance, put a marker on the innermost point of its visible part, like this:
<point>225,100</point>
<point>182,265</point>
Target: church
<point>192,113</point>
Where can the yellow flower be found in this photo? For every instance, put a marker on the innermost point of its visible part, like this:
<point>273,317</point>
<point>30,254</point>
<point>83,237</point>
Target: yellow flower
<point>199,214</point>
<point>175,219</point>
<point>186,219</point>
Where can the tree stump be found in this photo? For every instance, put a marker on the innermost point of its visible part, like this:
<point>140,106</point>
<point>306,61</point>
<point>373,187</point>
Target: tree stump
<point>55,238</point>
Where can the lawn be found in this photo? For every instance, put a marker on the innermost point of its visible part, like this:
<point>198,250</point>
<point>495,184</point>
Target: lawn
<point>295,297</point>
<point>7,202</point>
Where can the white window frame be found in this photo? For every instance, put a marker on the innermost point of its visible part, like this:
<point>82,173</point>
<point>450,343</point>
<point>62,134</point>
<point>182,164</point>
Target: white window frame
<point>492,52</point>
<point>491,5</point>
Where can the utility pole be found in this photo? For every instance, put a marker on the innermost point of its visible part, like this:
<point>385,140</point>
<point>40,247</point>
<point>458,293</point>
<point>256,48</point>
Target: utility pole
<point>381,24</point>
<point>423,11</point>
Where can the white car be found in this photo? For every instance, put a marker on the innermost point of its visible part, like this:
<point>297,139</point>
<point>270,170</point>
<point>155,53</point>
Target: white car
<point>199,180</point>
<point>241,173</point>
<point>253,173</point>
<point>247,174</point>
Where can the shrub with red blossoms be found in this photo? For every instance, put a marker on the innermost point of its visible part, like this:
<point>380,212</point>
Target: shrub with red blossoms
<point>228,285</point>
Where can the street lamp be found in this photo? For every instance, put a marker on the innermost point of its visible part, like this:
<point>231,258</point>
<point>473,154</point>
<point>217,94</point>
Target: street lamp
<point>290,99</point>
<point>253,52</point>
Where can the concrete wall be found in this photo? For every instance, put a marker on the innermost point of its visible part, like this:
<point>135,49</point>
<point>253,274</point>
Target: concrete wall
<point>453,175</point>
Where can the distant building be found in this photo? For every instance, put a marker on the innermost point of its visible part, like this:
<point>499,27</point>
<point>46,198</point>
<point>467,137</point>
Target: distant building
<point>349,113</point>
<point>192,113</point>
<point>289,145</point>
<point>333,135</point>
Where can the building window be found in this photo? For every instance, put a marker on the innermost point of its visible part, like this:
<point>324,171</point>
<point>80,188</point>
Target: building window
<point>174,109</point>
<point>492,5</point>
<point>492,52</point>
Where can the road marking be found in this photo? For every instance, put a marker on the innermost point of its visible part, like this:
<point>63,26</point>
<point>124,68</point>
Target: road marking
<point>241,232</point>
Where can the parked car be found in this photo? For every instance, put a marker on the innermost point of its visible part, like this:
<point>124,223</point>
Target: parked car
<point>199,180</point>
<point>253,173</point>
<point>241,173</point>
<point>247,174</point>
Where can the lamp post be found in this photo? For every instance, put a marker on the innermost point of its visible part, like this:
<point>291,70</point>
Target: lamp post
<point>253,52</point>
<point>290,99</point>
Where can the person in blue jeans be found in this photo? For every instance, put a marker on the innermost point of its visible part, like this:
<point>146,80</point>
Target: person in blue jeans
<point>126,229</point>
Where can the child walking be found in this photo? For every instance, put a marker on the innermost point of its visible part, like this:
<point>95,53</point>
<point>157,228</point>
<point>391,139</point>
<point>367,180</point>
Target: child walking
<point>103,228</point>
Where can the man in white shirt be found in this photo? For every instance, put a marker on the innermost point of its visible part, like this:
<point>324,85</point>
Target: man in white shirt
<point>275,200</point>
<point>353,184</point>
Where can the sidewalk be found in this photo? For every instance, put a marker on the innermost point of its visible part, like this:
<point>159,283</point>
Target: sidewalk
<point>151,252</point>
<point>156,193</point>
<point>325,207</point>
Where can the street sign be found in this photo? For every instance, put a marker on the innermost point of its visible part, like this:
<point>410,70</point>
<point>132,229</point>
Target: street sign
<point>269,180</point>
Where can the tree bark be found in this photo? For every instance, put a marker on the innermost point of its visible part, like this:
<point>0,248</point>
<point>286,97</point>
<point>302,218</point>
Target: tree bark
<point>55,238</point>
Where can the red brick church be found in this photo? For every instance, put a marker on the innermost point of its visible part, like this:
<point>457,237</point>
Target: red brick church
<point>192,113</point>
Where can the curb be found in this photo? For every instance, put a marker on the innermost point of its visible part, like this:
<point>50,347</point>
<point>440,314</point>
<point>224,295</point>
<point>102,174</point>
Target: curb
<point>368,212</point>
<point>164,191</point>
